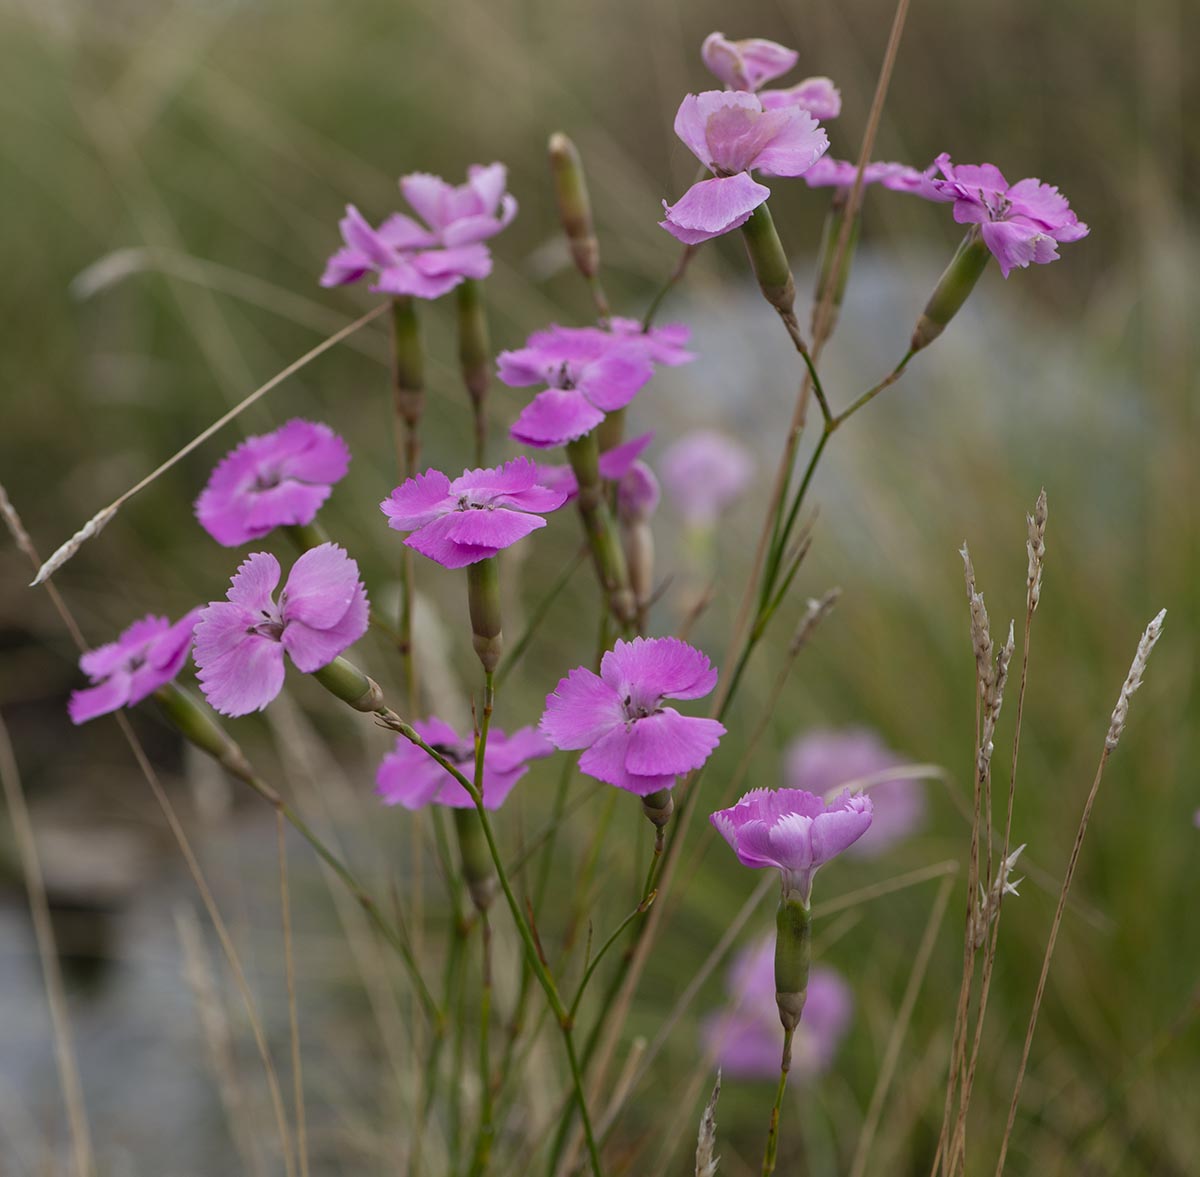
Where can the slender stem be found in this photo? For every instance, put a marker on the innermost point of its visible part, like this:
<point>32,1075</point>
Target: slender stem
<point>873,392</point>
<point>487,1131</point>
<point>768,1165</point>
<point>289,961</point>
<point>595,961</point>
<point>793,330</point>
<point>676,275</point>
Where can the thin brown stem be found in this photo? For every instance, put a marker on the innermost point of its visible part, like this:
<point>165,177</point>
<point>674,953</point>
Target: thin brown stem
<point>289,962</point>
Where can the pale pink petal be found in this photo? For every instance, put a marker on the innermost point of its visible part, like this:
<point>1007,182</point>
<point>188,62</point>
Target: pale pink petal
<point>358,235</point>
<point>408,776</point>
<point>794,147</point>
<point>246,671</point>
<point>618,461</point>
<point>406,276</point>
<point>434,541</point>
<point>321,587</point>
<point>346,265</point>
<point>311,452</point>
<point>612,381</point>
<point>819,96</point>
<point>670,743</point>
<point>713,207</point>
<point>495,528</point>
<point>738,134</point>
<point>649,669</point>
<point>840,827</point>
<point>254,582</point>
<point>462,261</point>
<point>289,503</point>
<point>580,710</point>
<point>555,417</point>
<point>311,648</point>
<point>418,501</point>
<point>690,122</point>
<point>527,743</point>
<point>170,651</point>
<point>605,760</point>
<point>746,64</point>
<point>90,702</point>
<point>1015,245</point>
<point>103,660</point>
<point>428,195</point>
<point>401,232</point>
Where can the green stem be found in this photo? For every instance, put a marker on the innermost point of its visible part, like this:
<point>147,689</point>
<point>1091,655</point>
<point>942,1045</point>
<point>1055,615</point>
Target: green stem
<point>872,393</point>
<point>487,1131</point>
<point>474,355</point>
<point>772,1149</point>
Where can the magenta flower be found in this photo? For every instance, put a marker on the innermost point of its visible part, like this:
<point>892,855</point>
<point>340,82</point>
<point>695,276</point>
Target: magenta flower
<point>273,480</point>
<point>899,177</point>
<point>638,494</point>
<point>475,516</point>
<point>466,214</point>
<point>404,257</point>
<point>632,740</point>
<point>744,1039</point>
<point>824,761</point>
<point>615,464</point>
<point>664,345</point>
<point>746,64</point>
<point>408,776</point>
<point>819,96</point>
<point>1020,223</point>
<point>240,642</point>
<point>588,373</point>
<point>147,655</point>
<point>792,830</point>
<point>704,472</point>
<point>731,134</point>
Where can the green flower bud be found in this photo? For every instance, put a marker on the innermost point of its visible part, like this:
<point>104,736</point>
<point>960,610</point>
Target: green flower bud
<point>658,807</point>
<point>474,350</point>
<point>793,952</point>
<point>574,204</point>
<point>348,683</point>
<point>196,723</point>
<point>955,284</point>
<point>769,261</point>
<point>408,365</point>
<point>483,598</point>
<point>478,871</point>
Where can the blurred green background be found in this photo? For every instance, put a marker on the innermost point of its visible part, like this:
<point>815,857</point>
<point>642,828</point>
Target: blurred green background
<point>171,177</point>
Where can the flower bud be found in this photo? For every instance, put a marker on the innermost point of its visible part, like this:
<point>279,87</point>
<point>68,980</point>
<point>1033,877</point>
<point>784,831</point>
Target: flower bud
<point>408,366</point>
<point>348,683</point>
<point>574,204</point>
<point>952,289</point>
<point>793,951</point>
<point>769,261</point>
<point>483,598</point>
<point>474,351</point>
<point>658,807</point>
<point>478,871</point>
<point>196,724</point>
<point>637,497</point>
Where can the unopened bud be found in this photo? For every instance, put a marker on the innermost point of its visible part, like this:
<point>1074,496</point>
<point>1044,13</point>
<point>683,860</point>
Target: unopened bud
<point>769,261</point>
<point>793,952</point>
<point>348,683</point>
<point>196,723</point>
<point>955,284</point>
<point>483,599</point>
<point>474,350</point>
<point>408,365</point>
<point>574,204</point>
<point>478,871</point>
<point>658,807</point>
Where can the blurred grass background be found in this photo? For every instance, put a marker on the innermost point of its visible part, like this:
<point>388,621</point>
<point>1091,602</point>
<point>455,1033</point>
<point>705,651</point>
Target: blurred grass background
<point>201,153</point>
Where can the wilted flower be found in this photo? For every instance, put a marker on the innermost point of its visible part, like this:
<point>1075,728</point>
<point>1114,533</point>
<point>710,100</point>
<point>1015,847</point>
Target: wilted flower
<point>147,655</point>
<point>704,471</point>
<point>744,1039</point>
<point>632,740</point>
<point>588,372</point>
<point>746,64</point>
<point>240,642</point>
<point>824,761</point>
<point>731,134</point>
<point>473,517</point>
<point>274,480</point>
<point>1020,223</point>
<point>408,776</point>
<point>792,830</point>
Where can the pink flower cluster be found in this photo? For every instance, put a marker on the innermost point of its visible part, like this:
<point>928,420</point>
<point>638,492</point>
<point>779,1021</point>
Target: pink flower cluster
<point>427,259</point>
<point>751,63</point>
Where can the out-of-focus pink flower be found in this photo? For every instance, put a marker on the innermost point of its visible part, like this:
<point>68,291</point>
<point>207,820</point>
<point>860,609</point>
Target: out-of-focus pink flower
<point>731,134</point>
<point>704,472</point>
<point>666,345</point>
<point>632,740</point>
<point>746,64</point>
<point>792,830</point>
<point>588,373</point>
<point>824,761</point>
<point>638,494</point>
<point>147,655</point>
<point>473,517</point>
<point>408,776</point>
<point>240,642</point>
<point>899,177</point>
<point>274,480</point>
<point>819,96</point>
<point>615,464</point>
<point>466,214</point>
<point>1020,223</point>
<point>744,1038</point>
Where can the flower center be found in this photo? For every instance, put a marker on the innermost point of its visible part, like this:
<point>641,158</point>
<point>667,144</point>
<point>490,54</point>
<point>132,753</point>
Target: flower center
<point>996,203</point>
<point>267,479</point>
<point>272,624</point>
<point>466,504</point>
<point>455,753</point>
<point>564,378</point>
<point>636,709</point>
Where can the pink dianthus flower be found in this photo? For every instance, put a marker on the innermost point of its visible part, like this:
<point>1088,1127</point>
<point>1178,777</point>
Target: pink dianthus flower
<point>746,64</point>
<point>147,655</point>
<point>240,642</point>
<point>899,177</point>
<point>408,776</point>
<point>273,480</point>
<point>614,464</point>
<point>473,517</point>
<point>588,372</point>
<point>744,1038</point>
<point>632,740</point>
<point>731,134</point>
<point>1020,223</point>
<point>792,830</point>
<point>704,472</point>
